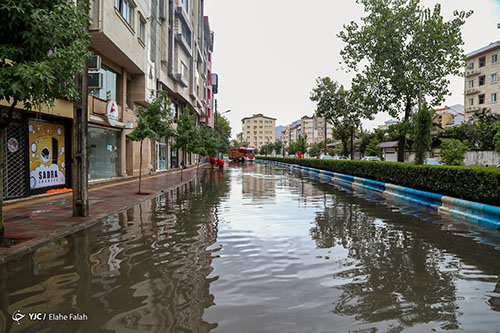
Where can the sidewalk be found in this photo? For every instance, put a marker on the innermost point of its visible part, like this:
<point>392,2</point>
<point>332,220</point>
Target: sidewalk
<point>44,219</point>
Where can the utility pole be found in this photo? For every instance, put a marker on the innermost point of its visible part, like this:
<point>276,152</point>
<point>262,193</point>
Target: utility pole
<point>324,121</point>
<point>79,174</point>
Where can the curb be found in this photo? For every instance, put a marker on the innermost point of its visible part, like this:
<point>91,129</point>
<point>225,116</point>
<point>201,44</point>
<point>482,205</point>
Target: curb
<point>479,213</point>
<point>29,246</point>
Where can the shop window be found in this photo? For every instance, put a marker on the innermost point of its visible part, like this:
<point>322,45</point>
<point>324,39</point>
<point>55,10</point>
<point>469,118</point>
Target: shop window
<point>103,153</point>
<point>109,87</point>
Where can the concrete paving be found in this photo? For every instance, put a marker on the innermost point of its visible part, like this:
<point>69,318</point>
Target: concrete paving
<point>42,219</point>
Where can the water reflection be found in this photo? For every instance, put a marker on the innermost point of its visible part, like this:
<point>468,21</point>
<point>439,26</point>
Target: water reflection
<point>257,248</point>
<point>144,269</point>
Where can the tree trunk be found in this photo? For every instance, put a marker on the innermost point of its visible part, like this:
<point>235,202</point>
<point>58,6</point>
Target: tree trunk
<point>402,137</point>
<point>140,168</point>
<point>2,144</point>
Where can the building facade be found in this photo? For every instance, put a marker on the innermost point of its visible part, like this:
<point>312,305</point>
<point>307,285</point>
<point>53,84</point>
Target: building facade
<point>258,130</point>
<point>311,128</point>
<point>139,47</point>
<point>481,88</point>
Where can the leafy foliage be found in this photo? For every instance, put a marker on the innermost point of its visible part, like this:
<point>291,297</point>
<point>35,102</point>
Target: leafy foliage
<point>187,136</point>
<point>44,45</point>
<point>479,184</point>
<point>278,147</point>
<point>453,152</point>
<point>208,141</point>
<point>477,134</point>
<point>316,149</point>
<point>423,139</point>
<point>397,58</point>
<point>372,149</point>
<point>154,121</point>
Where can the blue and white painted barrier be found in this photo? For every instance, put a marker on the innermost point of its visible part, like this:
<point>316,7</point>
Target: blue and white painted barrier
<point>483,214</point>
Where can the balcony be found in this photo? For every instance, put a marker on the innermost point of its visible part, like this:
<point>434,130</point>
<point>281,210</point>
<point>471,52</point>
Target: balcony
<point>470,72</point>
<point>471,91</point>
<point>472,108</point>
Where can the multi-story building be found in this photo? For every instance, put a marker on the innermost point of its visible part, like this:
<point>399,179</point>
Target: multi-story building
<point>258,130</point>
<point>310,128</point>
<point>449,116</point>
<point>481,88</point>
<point>139,47</point>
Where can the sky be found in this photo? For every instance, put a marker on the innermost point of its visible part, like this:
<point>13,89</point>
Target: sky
<point>268,53</point>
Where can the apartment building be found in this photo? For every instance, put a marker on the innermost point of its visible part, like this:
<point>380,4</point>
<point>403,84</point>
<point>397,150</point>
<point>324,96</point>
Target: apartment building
<point>311,128</point>
<point>139,47</point>
<point>481,88</point>
<point>258,130</point>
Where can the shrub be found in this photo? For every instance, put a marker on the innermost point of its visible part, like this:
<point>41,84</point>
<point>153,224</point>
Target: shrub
<point>479,184</point>
<point>453,152</point>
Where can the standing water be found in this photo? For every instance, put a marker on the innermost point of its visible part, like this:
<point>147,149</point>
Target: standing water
<point>257,248</point>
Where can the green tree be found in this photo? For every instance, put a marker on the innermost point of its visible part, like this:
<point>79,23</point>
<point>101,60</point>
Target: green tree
<point>423,138</point>
<point>316,149</point>
<point>372,149</point>
<point>208,141</point>
<point>402,47</point>
<point>187,136</point>
<point>44,46</point>
<point>338,106</point>
<point>223,126</point>
<point>153,122</point>
<point>453,152</point>
<point>496,138</point>
<point>278,147</point>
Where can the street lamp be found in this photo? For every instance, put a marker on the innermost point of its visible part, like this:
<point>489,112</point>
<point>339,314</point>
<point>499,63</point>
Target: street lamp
<point>356,123</point>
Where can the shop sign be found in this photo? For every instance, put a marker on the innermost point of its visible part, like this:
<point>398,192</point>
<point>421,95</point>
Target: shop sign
<point>12,145</point>
<point>47,154</point>
<point>112,113</point>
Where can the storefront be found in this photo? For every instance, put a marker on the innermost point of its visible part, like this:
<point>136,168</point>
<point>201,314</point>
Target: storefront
<point>162,154</point>
<point>36,155</point>
<point>174,161</point>
<point>103,144</point>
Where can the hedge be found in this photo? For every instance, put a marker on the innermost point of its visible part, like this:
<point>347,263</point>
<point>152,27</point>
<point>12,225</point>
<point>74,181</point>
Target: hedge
<point>480,184</point>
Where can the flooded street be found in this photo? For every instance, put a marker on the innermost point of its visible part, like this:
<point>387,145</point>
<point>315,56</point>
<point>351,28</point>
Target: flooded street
<point>256,248</point>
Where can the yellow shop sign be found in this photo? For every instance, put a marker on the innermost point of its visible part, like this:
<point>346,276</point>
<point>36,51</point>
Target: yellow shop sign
<point>47,154</point>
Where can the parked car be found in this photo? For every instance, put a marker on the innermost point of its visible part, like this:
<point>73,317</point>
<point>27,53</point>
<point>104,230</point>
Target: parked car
<point>371,158</point>
<point>430,161</point>
<point>341,158</point>
<point>327,157</point>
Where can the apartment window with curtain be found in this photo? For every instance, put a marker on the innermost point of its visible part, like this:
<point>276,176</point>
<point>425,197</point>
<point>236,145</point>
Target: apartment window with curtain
<point>493,98</point>
<point>494,58</point>
<point>109,90</point>
<point>126,10</point>
<point>494,78</point>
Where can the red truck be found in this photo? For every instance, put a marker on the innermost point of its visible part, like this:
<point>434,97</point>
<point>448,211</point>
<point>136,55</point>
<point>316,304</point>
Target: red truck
<point>242,154</point>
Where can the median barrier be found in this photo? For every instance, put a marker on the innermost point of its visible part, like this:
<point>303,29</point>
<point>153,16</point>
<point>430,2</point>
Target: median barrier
<point>483,214</point>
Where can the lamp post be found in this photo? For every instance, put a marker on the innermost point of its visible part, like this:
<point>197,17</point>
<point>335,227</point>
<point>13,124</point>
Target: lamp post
<point>356,123</point>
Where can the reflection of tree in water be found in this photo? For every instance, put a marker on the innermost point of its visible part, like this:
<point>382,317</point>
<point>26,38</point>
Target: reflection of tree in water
<point>398,276</point>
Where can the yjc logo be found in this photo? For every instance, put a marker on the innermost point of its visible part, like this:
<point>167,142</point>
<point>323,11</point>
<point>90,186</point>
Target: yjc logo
<point>17,316</point>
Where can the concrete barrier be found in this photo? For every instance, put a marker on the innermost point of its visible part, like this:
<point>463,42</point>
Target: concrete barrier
<point>483,214</point>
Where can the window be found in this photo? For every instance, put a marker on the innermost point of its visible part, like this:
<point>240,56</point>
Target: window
<point>494,58</point>
<point>482,62</point>
<point>481,80</point>
<point>481,99</point>
<point>471,101</point>
<point>186,34</point>
<point>129,104</point>
<point>471,84</point>
<point>109,89</point>
<point>494,78</point>
<point>126,9</point>
<point>493,98</point>
<point>185,4</point>
<point>471,65</point>
<point>184,71</point>
<point>142,28</point>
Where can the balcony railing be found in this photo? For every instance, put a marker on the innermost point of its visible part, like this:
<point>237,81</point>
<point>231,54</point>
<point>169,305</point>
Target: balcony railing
<point>471,91</point>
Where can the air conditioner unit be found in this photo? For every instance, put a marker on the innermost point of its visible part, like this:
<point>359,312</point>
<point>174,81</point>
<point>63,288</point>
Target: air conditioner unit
<point>95,80</point>
<point>94,63</point>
